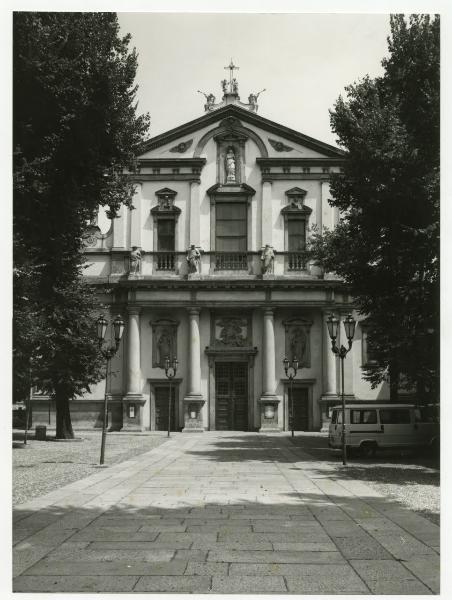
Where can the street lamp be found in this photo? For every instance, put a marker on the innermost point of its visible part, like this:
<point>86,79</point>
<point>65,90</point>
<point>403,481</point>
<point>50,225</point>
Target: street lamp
<point>107,353</point>
<point>333,330</point>
<point>291,372</point>
<point>170,372</point>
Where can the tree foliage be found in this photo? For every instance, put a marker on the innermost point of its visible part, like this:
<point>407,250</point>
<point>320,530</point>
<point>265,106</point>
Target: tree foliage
<point>386,246</point>
<point>75,132</point>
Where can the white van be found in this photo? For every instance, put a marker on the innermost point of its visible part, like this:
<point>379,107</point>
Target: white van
<point>372,426</point>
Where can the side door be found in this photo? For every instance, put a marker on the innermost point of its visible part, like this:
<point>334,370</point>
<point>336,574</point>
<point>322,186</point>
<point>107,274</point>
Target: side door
<point>364,426</point>
<point>398,426</point>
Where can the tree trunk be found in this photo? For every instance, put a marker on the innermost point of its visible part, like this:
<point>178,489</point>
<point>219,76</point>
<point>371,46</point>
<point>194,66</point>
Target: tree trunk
<point>63,416</point>
<point>394,375</point>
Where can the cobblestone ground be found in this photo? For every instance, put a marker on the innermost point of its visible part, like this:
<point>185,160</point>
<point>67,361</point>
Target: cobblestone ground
<point>223,513</point>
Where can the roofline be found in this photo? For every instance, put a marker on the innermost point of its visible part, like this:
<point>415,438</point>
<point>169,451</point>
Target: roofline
<point>250,117</point>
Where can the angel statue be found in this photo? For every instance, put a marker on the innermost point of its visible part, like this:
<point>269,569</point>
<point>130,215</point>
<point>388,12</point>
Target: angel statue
<point>210,99</point>
<point>267,259</point>
<point>224,85</point>
<point>252,98</point>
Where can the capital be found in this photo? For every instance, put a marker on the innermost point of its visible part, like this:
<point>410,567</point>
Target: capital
<point>193,310</point>
<point>133,310</point>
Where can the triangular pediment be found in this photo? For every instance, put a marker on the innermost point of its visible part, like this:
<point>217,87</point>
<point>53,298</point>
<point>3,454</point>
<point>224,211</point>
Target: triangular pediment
<point>279,139</point>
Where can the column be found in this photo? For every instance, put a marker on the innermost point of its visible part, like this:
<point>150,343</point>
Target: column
<point>193,401</point>
<point>268,401</point>
<point>133,400</point>
<point>329,395</point>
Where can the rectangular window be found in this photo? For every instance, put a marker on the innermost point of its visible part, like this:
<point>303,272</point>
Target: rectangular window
<point>368,358</point>
<point>363,417</point>
<point>231,227</point>
<point>395,416</point>
<point>296,234</point>
<point>166,235</point>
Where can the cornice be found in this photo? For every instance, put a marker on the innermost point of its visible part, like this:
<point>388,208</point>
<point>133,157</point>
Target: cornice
<point>296,177</point>
<point>219,190</point>
<point>172,162</point>
<point>288,161</point>
<point>244,115</point>
<point>137,178</point>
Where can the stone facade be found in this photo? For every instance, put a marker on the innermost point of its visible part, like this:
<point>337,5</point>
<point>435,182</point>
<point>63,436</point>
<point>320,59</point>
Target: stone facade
<point>222,208</point>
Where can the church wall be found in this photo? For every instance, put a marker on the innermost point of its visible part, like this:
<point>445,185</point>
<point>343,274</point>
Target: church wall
<point>291,294</point>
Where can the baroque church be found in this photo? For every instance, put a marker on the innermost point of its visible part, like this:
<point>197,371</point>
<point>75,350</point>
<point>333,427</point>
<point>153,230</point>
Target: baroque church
<point>209,268</point>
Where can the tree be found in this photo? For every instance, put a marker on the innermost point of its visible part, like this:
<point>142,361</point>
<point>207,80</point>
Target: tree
<point>75,132</point>
<point>386,246</point>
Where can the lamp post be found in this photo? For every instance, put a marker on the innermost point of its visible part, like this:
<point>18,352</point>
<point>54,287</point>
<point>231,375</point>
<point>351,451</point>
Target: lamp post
<point>107,353</point>
<point>333,330</point>
<point>170,372</point>
<point>290,369</point>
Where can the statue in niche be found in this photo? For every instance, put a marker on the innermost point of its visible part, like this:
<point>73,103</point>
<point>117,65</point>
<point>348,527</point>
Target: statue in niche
<point>164,346</point>
<point>231,332</point>
<point>267,259</point>
<point>135,261</point>
<point>230,166</point>
<point>194,259</point>
<point>298,344</point>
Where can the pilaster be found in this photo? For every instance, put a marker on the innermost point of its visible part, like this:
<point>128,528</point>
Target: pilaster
<point>267,219</point>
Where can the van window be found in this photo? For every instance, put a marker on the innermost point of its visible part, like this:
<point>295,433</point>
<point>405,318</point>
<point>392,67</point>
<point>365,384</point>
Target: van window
<point>360,417</point>
<point>394,416</point>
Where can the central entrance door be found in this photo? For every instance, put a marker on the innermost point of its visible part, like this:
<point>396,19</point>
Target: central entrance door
<point>231,394</point>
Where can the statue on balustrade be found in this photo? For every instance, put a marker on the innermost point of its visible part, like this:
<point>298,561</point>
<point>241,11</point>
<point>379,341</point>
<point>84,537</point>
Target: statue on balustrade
<point>267,259</point>
<point>135,261</point>
<point>194,259</point>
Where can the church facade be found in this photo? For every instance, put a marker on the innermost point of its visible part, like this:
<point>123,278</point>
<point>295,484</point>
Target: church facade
<point>209,267</point>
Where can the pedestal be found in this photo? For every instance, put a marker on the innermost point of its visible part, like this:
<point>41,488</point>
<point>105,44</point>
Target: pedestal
<point>132,412</point>
<point>269,414</point>
<point>192,414</point>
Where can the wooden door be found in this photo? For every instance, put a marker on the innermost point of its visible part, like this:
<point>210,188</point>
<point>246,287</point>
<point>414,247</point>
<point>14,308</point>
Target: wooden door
<point>231,393</point>
<point>161,408</point>
<point>300,408</point>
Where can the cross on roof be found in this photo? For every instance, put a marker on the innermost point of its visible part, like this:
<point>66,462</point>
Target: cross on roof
<point>231,68</point>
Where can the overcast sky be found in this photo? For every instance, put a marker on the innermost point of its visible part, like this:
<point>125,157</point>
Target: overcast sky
<point>303,60</point>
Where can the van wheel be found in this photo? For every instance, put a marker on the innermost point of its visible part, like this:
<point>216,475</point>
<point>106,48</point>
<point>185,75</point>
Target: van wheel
<point>368,449</point>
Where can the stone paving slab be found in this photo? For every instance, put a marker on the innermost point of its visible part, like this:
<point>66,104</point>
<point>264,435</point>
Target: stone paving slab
<point>223,513</point>
<point>69,583</point>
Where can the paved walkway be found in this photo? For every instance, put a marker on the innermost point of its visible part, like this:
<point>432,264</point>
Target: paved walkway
<point>223,513</point>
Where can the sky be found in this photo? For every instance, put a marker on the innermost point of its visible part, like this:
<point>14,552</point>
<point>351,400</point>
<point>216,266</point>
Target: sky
<point>304,61</point>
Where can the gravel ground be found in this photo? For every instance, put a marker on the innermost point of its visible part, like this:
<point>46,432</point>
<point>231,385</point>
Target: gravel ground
<point>411,479</point>
<point>40,467</point>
